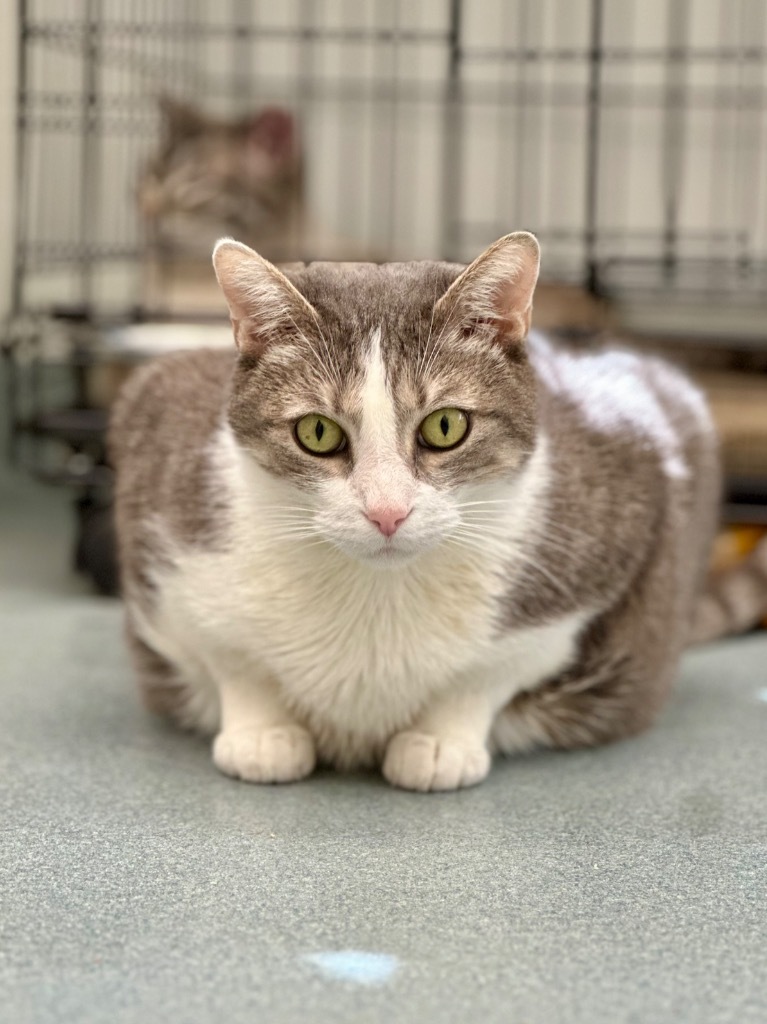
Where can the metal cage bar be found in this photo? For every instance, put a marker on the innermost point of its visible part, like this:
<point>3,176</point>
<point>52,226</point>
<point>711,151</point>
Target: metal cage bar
<point>678,82</point>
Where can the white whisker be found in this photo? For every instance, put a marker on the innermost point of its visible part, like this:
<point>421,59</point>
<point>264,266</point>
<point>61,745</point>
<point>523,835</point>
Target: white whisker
<point>428,337</point>
<point>559,545</point>
<point>303,508</point>
<point>436,348</point>
<point>336,369</point>
<point>328,369</point>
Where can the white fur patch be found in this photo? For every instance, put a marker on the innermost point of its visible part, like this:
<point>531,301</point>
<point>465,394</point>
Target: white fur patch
<point>380,476</point>
<point>613,394</point>
<point>359,652</point>
<point>379,424</point>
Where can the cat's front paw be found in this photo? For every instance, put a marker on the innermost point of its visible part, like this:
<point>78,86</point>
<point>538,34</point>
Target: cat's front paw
<point>283,753</point>
<point>421,761</point>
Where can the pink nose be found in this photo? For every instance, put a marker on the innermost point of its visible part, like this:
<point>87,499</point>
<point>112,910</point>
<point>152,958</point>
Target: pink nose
<point>387,519</point>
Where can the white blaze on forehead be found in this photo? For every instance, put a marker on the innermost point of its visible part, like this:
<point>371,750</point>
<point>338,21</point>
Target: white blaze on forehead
<point>382,476</point>
<point>378,433</point>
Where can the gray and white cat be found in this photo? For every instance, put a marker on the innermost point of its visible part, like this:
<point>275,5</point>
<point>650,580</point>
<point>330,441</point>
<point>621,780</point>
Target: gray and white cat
<point>396,531</point>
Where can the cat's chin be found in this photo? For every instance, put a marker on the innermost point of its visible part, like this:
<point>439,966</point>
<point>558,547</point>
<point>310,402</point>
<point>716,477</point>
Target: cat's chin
<point>388,556</point>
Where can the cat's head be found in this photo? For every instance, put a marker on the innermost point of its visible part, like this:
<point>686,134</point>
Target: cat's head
<point>210,177</point>
<point>391,401</point>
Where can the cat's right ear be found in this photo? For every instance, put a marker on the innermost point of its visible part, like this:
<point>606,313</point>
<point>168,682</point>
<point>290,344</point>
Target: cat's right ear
<point>263,305</point>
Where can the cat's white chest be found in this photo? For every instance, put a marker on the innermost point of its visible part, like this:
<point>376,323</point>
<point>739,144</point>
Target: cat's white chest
<point>359,648</point>
<point>357,653</point>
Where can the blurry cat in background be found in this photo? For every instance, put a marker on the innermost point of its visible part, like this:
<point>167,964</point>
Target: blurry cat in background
<point>216,176</point>
<point>210,176</point>
<point>244,176</point>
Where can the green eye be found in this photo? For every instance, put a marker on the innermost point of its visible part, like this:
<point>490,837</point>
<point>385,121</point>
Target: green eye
<point>444,428</point>
<point>319,435</point>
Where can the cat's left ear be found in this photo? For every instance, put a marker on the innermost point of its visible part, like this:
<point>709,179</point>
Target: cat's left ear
<point>273,132</point>
<point>264,306</point>
<point>496,290</point>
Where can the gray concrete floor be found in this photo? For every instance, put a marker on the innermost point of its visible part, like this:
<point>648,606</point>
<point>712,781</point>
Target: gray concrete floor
<point>627,884</point>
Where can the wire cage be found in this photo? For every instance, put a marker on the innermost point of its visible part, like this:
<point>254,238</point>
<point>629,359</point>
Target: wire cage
<point>630,135</point>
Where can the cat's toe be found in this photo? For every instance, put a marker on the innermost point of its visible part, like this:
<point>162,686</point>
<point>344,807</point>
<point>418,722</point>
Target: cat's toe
<point>282,753</point>
<point>423,762</point>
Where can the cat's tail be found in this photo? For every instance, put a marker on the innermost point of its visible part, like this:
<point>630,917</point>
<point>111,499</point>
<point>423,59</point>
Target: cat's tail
<point>734,600</point>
